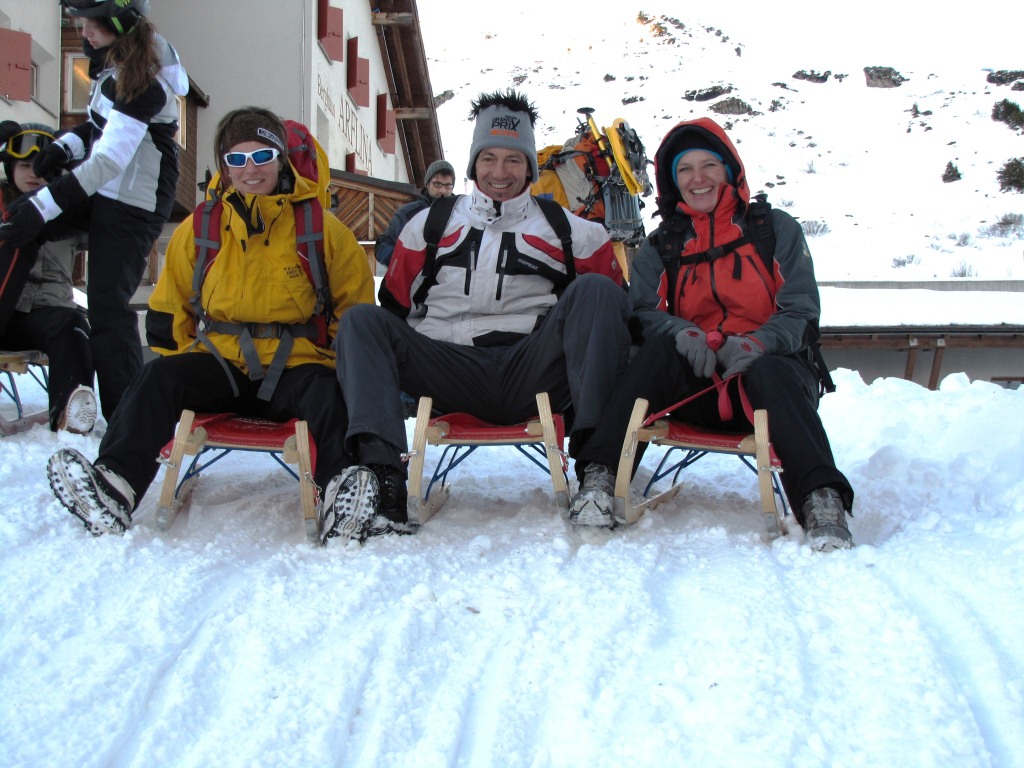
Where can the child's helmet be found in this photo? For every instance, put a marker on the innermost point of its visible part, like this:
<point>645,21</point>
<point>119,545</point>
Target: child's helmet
<point>122,15</point>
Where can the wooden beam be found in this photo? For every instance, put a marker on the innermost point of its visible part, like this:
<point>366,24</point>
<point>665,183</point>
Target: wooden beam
<point>982,340</point>
<point>413,113</point>
<point>393,19</point>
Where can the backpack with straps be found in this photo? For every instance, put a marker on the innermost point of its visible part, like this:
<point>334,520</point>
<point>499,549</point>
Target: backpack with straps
<point>571,174</point>
<point>309,161</point>
<point>437,221</point>
<point>760,232</point>
<point>599,176</point>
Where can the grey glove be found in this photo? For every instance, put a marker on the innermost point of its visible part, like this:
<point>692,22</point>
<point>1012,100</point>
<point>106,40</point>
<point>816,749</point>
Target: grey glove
<point>692,344</point>
<point>737,354</point>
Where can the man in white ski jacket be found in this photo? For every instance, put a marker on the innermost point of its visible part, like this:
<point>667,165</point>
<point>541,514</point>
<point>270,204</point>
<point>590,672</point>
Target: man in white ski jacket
<point>504,309</point>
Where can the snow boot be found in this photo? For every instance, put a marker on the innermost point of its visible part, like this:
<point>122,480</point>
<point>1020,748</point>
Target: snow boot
<point>592,505</point>
<point>350,502</point>
<point>393,513</point>
<point>98,497</point>
<point>824,520</point>
<point>79,414</point>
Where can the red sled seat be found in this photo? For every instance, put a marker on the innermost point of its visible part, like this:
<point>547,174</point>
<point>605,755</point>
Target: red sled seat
<point>688,443</point>
<point>209,437</point>
<point>540,440</point>
<point>33,362</point>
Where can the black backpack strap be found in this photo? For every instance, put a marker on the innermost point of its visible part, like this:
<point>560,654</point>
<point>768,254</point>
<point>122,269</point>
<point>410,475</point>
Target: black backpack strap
<point>825,383</point>
<point>433,230</point>
<point>558,219</point>
<point>761,230</point>
<point>668,239</point>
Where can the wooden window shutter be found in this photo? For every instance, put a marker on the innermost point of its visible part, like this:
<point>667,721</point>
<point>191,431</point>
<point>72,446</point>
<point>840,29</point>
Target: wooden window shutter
<point>331,30</point>
<point>358,74</point>
<point>16,65</point>
<point>386,124</point>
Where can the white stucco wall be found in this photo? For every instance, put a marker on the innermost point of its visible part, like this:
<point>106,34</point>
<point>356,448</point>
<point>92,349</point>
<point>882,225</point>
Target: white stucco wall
<point>265,52</point>
<point>42,21</point>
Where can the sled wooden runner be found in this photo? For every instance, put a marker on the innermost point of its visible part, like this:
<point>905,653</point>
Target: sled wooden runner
<point>753,449</point>
<point>210,437</point>
<point>540,439</point>
<point>33,363</point>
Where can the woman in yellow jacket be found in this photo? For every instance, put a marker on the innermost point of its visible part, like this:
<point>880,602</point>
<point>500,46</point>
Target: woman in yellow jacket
<point>256,349</point>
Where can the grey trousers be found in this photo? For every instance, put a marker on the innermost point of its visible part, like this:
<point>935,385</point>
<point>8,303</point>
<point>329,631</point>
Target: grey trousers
<point>576,355</point>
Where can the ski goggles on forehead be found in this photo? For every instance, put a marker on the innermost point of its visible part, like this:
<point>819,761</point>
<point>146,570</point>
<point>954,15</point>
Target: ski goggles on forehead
<point>258,157</point>
<point>25,143</point>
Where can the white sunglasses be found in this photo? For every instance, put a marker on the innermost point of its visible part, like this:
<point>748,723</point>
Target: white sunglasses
<point>258,157</point>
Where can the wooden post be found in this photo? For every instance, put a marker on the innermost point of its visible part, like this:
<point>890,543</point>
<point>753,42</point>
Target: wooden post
<point>940,350</point>
<point>908,373</point>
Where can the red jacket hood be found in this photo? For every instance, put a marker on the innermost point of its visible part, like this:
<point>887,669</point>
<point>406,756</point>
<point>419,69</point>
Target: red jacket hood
<point>668,192</point>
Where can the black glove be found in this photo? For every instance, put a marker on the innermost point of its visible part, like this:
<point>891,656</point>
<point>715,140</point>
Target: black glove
<point>9,129</point>
<point>51,161</point>
<point>22,225</point>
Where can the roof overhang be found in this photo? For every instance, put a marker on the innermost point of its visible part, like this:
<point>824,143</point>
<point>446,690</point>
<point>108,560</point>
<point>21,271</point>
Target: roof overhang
<point>405,59</point>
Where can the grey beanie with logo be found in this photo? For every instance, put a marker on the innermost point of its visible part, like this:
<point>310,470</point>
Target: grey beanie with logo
<point>504,121</point>
<point>438,166</point>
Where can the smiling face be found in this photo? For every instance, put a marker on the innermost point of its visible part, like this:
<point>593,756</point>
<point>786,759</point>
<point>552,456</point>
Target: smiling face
<point>254,179</point>
<point>699,176</point>
<point>501,174</point>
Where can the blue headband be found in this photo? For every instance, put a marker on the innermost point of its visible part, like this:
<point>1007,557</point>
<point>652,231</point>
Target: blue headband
<point>675,162</point>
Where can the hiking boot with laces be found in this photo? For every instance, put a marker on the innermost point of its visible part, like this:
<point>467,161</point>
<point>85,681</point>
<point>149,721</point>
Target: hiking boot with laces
<point>393,512</point>
<point>79,414</point>
<point>100,498</point>
<point>349,505</point>
<point>824,520</point>
<point>592,505</point>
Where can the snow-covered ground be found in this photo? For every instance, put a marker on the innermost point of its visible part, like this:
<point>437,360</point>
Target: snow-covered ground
<point>497,636</point>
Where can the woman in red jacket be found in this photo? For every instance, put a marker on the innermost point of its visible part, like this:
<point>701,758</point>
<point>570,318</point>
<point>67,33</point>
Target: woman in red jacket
<point>710,303</point>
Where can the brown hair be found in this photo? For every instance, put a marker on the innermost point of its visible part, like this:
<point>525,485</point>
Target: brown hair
<point>244,124</point>
<point>135,57</point>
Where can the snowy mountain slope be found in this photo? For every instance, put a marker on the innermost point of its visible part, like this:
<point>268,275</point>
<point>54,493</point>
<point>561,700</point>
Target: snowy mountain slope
<point>865,162</point>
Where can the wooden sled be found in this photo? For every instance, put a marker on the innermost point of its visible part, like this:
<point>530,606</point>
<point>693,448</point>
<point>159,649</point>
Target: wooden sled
<point>754,450</point>
<point>210,437</point>
<point>34,364</point>
<point>540,440</point>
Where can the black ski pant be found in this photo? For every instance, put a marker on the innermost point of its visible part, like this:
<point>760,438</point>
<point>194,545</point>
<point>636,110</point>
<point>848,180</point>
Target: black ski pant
<point>785,385</point>
<point>63,334</point>
<point>576,355</point>
<point>121,237</point>
<point>149,412</point>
